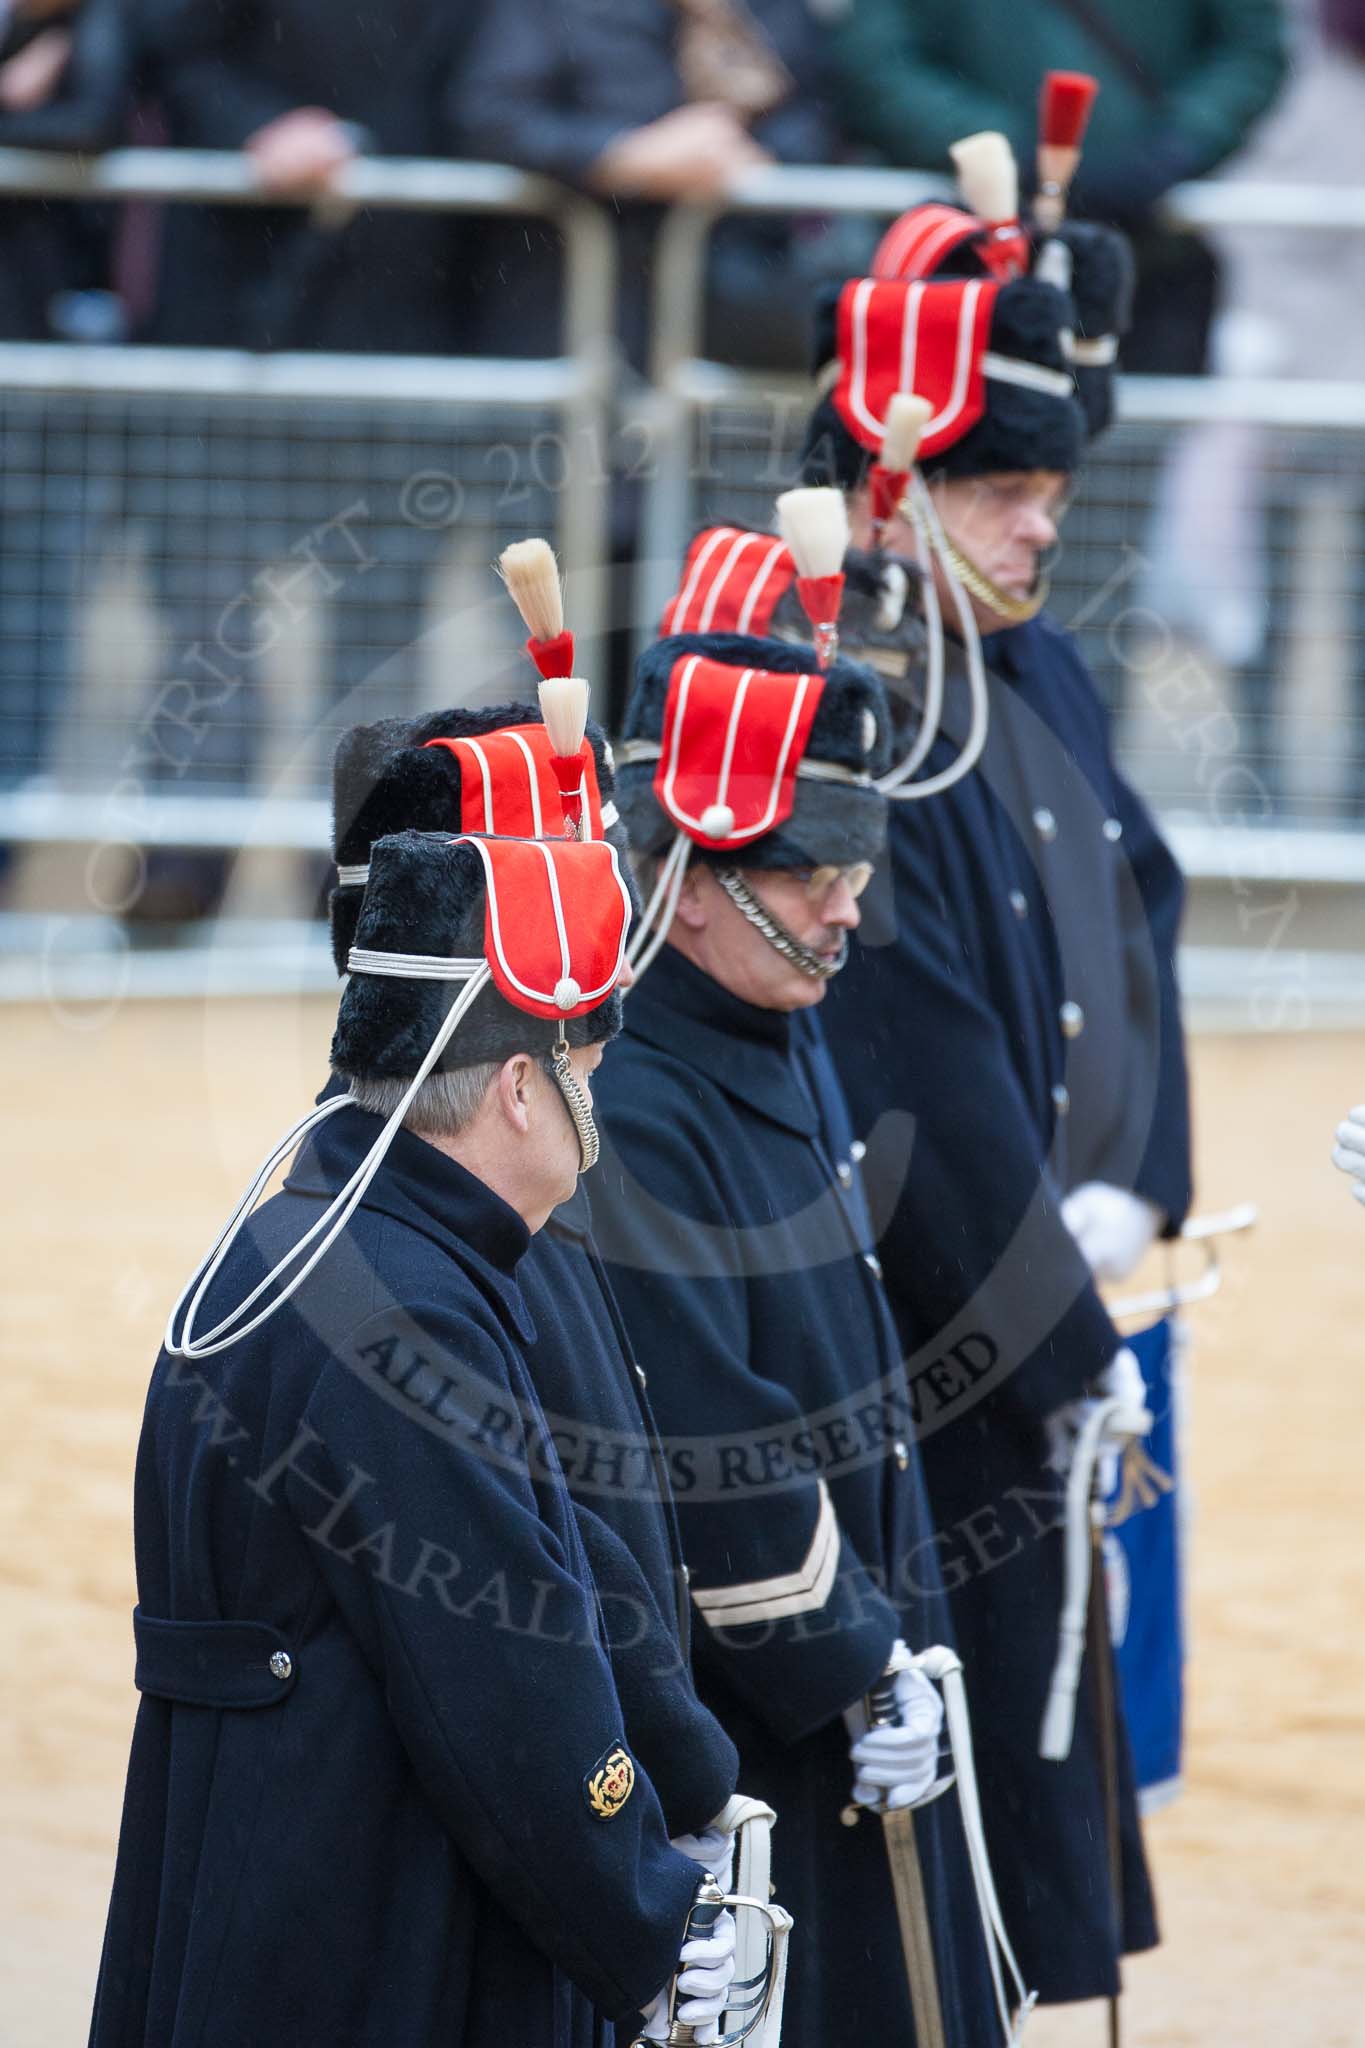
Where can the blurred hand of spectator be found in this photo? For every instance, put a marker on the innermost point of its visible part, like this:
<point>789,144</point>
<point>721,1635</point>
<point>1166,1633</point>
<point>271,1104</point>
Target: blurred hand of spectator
<point>303,151</point>
<point>693,153</point>
<point>29,79</point>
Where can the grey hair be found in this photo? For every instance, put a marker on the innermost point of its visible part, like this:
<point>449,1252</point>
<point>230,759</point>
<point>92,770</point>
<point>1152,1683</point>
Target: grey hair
<point>443,1106</point>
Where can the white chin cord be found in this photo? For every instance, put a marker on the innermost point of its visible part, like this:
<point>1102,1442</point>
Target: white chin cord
<point>944,1667</point>
<point>918,507</point>
<point>933,681</point>
<point>657,916</point>
<point>475,975</point>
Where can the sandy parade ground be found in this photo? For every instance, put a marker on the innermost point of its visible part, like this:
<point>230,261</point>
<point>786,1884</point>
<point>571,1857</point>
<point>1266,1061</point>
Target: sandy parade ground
<point>133,1131</point>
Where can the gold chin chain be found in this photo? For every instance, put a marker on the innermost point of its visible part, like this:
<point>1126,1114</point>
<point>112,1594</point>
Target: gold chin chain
<point>1016,611</point>
<point>578,1103</point>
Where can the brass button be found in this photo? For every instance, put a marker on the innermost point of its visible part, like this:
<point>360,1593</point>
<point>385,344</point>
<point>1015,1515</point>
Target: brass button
<point>1061,1099</point>
<point>873,1264</point>
<point>1112,829</point>
<point>857,1151</point>
<point>1018,902</point>
<point>845,1172</point>
<point>902,1451</point>
<point>281,1664</point>
<point>640,1376</point>
<point>1044,824</point>
<point>1071,1017</point>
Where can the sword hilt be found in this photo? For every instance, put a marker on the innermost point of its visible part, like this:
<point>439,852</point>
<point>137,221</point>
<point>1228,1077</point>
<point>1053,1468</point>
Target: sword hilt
<point>882,1706</point>
<point>707,1908</point>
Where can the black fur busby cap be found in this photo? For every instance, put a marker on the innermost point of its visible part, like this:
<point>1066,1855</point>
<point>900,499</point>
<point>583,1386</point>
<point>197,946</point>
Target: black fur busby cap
<point>428,895</point>
<point>1021,429</point>
<point>386,778</point>
<point>881,623</point>
<point>1103,279</point>
<point>832,821</point>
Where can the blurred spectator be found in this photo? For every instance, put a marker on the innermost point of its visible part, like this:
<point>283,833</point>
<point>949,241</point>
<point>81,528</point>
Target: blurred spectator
<point>65,77</point>
<point>1295,296</point>
<point>1181,84</point>
<point>303,86</point>
<point>289,511</point>
<point>646,102</point>
<point>65,71</point>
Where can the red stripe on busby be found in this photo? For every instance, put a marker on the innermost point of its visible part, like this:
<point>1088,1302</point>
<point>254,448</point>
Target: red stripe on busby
<point>555,922</point>
<point>916,243</point>
<point>731,583</point>
<point>510,784</point>
<point>733,739</point>
<point>926,338</point>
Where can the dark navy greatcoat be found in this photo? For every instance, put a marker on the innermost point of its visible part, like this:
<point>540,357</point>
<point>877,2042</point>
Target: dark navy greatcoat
<point>597,1419</point>
<point>728,1212</point>
<point>598,1415</point>
<point>376,1710</point>
<point>1012,993</point>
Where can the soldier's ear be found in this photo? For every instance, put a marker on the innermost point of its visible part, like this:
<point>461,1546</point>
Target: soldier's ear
<point>514,1086</point>
<point>694,907</point>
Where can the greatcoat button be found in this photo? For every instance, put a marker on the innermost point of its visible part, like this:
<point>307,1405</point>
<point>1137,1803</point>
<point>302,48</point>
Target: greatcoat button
<point>845,1172</point>
<point>902,1451</point>
<point>1112,829</point>
<point>873,1264</point>
<point>640,1376</point>
<point>1061,1099</point>
<point>1018,902</point>
<point>857,1151</point>
<point>1044,824</point>
<point>281,1664</point>
<point>1071,1017</point>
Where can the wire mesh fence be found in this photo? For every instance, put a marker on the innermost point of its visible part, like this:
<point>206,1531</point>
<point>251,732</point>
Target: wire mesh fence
<point>1213,574</point>
<point>201,591</point>
<point>211,562</point>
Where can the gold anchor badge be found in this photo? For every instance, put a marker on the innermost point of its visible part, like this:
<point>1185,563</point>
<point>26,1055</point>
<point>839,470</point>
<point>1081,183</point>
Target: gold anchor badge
<point>611,1784</point>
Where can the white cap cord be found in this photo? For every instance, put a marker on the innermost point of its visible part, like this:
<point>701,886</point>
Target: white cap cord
<point>658,914</point>
<point>338,1212</point>
<point>1059,1716</point>
<point>919,507</point>
<point>944,1667</point>
<point>933,682</point>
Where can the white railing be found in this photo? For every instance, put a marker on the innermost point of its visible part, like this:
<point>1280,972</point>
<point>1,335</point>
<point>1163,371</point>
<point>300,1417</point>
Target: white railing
<point>583,385</point>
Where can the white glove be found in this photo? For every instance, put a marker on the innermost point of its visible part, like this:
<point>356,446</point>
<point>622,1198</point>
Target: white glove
<point>1121,1380</point>
<point>1114,1229</point>
<point>896,1766</point>
<point>1349,1151</point>
<point>714,1849</point>
<point>706,1966</point>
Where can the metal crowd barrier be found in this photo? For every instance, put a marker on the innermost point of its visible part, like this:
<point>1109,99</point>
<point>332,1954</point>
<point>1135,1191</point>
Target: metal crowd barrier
<point>109,432</point>
<point>162,451</point>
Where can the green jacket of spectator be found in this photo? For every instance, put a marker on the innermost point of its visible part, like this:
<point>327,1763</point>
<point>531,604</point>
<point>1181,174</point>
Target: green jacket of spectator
<point>915,75</point>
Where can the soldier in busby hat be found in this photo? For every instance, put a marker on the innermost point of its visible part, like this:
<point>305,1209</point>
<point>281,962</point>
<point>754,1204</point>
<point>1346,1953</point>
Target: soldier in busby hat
<point>729,1210</point>
<point>494,769</point>
<point>381,1788</point>
<point>1013,992</point>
